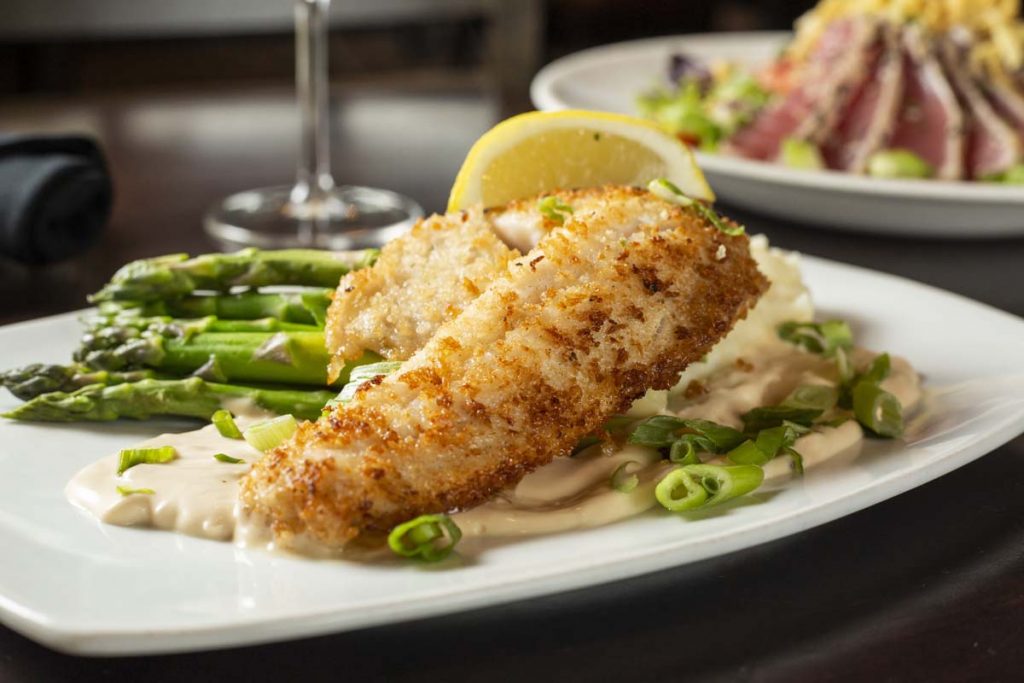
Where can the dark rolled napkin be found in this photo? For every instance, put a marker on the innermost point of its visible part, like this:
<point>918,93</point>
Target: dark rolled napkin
<point>55,196</point>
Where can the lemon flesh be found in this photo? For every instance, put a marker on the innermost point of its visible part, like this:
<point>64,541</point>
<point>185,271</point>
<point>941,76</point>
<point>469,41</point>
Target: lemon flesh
<point>543,151</point>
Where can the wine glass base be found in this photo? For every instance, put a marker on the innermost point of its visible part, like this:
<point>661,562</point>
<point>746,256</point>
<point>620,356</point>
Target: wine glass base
<point>348,217</point>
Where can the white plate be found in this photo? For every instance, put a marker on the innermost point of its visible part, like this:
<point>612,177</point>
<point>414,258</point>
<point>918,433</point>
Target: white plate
<point>83,587</point>
<point>609,78</point>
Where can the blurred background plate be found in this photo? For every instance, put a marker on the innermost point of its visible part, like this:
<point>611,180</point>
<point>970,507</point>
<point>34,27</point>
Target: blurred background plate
<point>610,77</point>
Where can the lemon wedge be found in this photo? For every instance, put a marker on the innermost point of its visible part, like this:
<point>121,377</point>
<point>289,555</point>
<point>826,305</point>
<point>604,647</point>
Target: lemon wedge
<point>539,151</point>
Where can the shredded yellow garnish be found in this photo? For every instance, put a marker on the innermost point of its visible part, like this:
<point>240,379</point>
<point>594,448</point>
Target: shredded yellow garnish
<point>998,33</point>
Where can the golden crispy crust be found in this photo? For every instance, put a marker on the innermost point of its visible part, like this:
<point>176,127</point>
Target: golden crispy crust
<point>621,299</point>
<point>421,280</point>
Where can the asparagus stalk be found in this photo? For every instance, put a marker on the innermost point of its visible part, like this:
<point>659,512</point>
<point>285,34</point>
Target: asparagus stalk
<point>286,357</point>
<point>192,397</point>
<point>109,332</point>
<point>39,378</point>
<point>177,275</point>
<point>307,307</point>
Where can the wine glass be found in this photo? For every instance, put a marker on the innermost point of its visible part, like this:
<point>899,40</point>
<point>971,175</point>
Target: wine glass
<point>314,212</point>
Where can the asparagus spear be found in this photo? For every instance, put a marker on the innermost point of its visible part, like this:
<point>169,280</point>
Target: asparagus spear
<point>308,307</point>
<point>287,357</point>
<point>109,332</point>
<point>39,378</point>
<point>192,397</point>
<point>177,275</point>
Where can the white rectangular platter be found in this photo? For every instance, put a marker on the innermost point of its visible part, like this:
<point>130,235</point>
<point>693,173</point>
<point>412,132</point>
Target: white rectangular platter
<point>83,587</point>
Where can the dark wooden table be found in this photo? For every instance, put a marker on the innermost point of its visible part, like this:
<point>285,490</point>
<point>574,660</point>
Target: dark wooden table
<point>928,586</point>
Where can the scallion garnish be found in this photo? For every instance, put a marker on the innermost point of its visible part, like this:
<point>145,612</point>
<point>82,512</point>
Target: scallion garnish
<point>224,457</point>
<point>694,486</point>
<point>130,457</point>
<point>359,376</point>
<point>824,338</point>
<point>127,491</point>
<point>660,431</point>
<point>879,369</point>
<point>683,450</point>
<point>554,209</point>
<point>428,537</point>
<point>684,438</point>
<point>767,417</point>
<point>624,479</point>
<point>678,491</point>
<point>877,409</point>
<point>667,190</point>
<point>804,404</point>
<point>266,436</point>
<point>225,424</point>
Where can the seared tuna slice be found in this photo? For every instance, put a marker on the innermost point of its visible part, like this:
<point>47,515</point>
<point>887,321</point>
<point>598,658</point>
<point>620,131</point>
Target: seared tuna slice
<point>930,122</point>
<point>1006,97</point>
<point>991,145</point>
<point>868,119</point>
<point>828,77</point>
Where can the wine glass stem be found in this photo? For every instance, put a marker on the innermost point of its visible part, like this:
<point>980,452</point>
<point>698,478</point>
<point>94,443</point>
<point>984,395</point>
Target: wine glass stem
<point>314,172</point>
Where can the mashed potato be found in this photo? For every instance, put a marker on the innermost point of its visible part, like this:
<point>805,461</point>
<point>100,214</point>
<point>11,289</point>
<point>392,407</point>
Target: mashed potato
<point>786,299</point>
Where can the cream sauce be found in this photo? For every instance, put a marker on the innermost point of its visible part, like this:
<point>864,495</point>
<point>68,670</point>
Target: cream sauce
<point>193,494</point>
<point>196,494</point>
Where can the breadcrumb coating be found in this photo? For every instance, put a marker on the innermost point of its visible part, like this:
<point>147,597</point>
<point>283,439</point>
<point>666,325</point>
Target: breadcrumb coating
<point>618,300</point>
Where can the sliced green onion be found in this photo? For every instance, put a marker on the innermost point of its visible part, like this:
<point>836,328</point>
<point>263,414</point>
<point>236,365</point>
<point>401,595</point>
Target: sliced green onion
<point>684,450</point>
<point>657,431</point>
<point>623,480</point>
<point>130,457</point>
<point>127,491</point>
<point>768,444</point>
<point>224,457</point>
<point>877,409</point>
<point>878,370</point>
<point>844,366</point>
<point>726,482</point>
<point>669,191</point>
<point>362,374</point>
<point>428,537</point>
<point>812,396</point>
<point>771,441</point>
<point>836,421</point>
<point>711,216</point>
<point>268,435</point>
<point>554,209</point>
<point>804,404</point>
<point>796,461</point>
<point>823,338</point>
<point>225,424</point>
<point>660,431</point>
<point>678,491</point>
<point>694,486</point>
<point>772,416</point>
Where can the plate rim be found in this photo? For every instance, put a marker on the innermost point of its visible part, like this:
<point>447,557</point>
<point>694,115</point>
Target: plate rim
<point>639,561</point>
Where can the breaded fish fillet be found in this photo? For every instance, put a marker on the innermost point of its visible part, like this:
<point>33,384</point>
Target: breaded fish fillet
<point>427,276</point>
<point>421,280</point>
<point>619,300</point>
